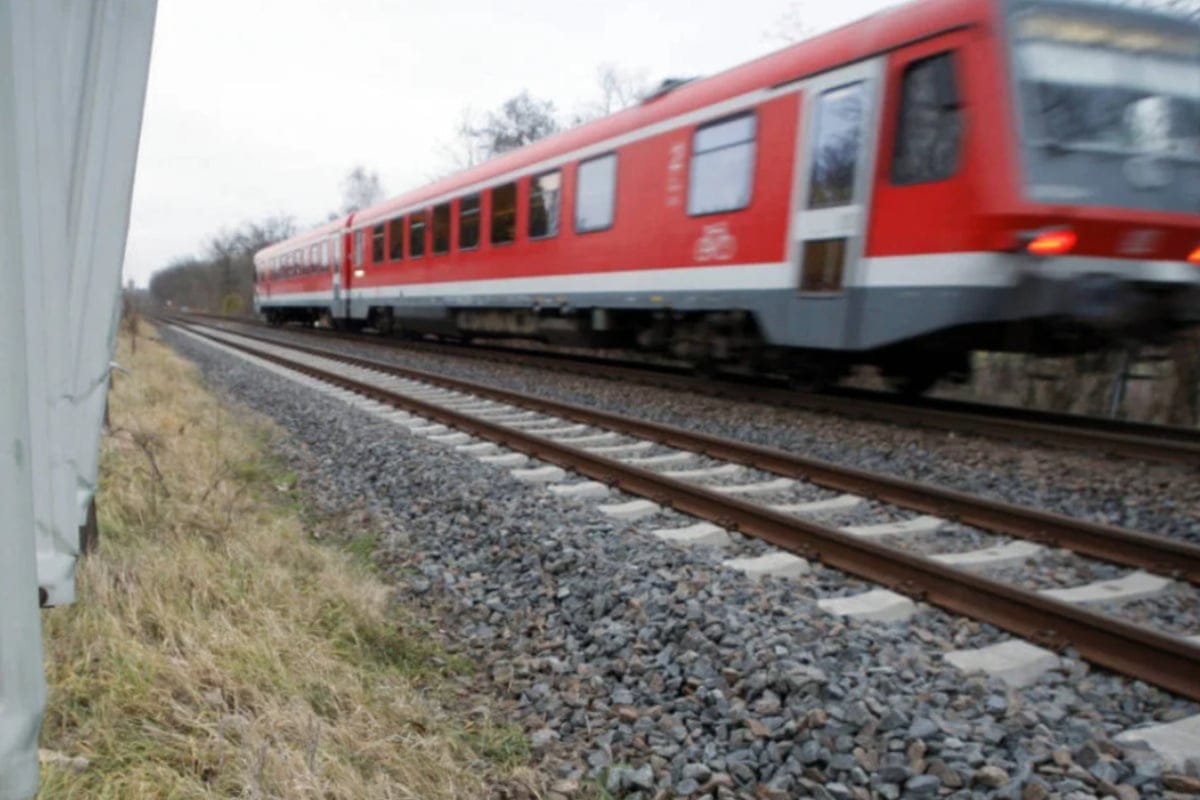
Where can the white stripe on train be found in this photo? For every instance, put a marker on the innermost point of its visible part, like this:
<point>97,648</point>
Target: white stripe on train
<point>986,269</point>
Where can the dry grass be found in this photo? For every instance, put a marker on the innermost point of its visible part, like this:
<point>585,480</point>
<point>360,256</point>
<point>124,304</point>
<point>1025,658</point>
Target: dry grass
<point>216,651</point>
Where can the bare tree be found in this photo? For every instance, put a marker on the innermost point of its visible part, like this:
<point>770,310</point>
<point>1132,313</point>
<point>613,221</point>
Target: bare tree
<point>790,27</point>
<point>466,149</point>
<point>230,255</point>
<point>222,249</point>
<point>619,89</point>
<point>255,236</point>
<point>360,189</point>
<point>519,121</point>
<point>222,279</point>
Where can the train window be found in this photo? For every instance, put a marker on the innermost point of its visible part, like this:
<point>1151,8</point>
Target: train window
<point>722,172</point>
<point>821,266</point>
<point>545,192</point>
<point>358,248</point>
<point>504,213</point>
<point>441,229</point>
<point>929,127</point>
<point>836,146</point>
<point>416,235</point>
<point>378,243</point>
<point>396,239</point>
<point>596,193</point>
<point>468,222</point>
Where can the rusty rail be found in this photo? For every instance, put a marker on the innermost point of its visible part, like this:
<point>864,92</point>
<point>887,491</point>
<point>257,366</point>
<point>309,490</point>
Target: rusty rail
<point>1139,440</point>
<point>1167,661</point>
<point>1110,543</point>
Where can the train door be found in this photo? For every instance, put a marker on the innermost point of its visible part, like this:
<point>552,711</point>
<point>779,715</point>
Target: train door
<point>840,125</point>
<point>334,260</point>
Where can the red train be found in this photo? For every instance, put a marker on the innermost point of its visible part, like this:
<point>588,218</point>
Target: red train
<point>945,176</point>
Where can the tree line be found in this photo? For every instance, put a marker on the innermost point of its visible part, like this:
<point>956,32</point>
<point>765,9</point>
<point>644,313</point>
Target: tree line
<point>221,278</point>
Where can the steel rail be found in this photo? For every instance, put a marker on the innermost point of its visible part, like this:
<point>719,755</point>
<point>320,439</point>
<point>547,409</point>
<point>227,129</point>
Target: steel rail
<point>1139,440</point>
<point>1110,543</point>
<point>1086,422</point>
<point>1166,661</point>
<point>1144,441</point>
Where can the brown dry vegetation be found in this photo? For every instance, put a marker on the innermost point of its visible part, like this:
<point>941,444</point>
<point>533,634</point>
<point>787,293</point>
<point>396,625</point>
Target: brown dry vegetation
<point>217,651</point>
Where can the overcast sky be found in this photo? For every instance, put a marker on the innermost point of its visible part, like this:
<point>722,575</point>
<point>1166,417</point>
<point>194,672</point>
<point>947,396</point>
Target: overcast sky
<point>261,107</point>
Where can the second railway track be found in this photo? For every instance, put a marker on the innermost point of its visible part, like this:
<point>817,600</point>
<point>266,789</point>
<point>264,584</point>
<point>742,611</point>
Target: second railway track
<point>1125,438</point>
<point>581,439</point>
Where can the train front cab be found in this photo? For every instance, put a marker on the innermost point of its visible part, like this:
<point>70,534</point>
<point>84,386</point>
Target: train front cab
<point>947,202</point>
<point>1107,108</point>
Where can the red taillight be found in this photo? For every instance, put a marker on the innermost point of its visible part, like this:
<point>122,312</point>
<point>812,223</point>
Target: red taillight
<point>1194,257</point>
<point>1052,243</point>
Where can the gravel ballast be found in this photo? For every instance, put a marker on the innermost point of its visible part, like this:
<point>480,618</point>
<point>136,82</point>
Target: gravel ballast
<point>1155,498</point>
<point>654,672</point>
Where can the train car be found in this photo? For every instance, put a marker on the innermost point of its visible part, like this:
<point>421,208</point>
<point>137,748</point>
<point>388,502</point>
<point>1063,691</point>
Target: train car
<point>301,279</point>
<point>944,176</point>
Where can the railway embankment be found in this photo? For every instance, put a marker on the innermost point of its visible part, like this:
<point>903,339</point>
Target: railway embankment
<point>642,669</point>
<point>232,640</point>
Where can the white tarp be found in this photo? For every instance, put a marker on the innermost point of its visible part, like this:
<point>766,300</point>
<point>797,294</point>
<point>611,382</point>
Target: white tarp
<point>72,88</point>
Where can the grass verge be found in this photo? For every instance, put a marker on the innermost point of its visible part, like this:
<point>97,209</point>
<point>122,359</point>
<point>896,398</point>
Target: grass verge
<point>216,651</point>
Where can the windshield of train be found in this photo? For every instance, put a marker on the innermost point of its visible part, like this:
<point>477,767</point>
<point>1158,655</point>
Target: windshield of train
<point>1109,106</point>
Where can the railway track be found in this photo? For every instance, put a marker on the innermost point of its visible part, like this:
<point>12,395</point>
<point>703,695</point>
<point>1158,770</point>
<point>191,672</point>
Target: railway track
<point>1138,440</point>
<point>615,452</point>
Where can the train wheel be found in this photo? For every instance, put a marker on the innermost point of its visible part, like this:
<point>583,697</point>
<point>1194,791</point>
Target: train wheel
<point>384,321</point>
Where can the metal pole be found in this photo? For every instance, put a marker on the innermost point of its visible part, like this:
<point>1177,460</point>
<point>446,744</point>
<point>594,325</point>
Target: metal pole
<point>1121,381</point>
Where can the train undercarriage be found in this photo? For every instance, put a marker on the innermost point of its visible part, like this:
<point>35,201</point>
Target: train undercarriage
<point>732,341</point>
